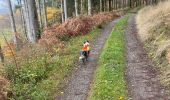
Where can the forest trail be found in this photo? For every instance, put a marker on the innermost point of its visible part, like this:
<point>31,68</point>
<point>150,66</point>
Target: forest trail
<point>140,72</point>
<point>79,82</point>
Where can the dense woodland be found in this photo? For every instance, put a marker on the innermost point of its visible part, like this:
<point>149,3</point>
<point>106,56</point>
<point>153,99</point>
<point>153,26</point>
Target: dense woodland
<point>34,13</point>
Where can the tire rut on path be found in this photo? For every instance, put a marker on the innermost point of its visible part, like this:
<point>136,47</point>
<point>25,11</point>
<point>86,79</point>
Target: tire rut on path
<point>140,72</point>
<point>79,83</point>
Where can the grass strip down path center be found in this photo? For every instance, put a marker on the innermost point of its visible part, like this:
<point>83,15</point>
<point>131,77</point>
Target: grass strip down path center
<point>109,83</point>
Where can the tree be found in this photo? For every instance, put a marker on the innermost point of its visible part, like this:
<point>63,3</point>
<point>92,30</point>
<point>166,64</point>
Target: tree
<point>109,5</point>
<point>116,4</point>
<point>22,17</point>
<point>31,19</point>
<point>13,26</point>
<point>1,54</point>
<point>124,3</point>
<point>45,14</point>
<point>103,5</point>
<point>81,6</point>
<point>76,7</point>
<point>113,4</point>
<point>130,3</point>
<point>52,3</point>
<point>89,7</point>
<point>65,9</point>
<point>39,13</point>
<point>100,5</point>
<point>62,13</point>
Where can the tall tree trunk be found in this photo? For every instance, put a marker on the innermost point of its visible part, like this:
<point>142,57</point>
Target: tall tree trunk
<point>111,1</point>
<point>115,1</point>
<point>113,4</point>
<point>53,6</point>
<point>65,9</point>
<point>62,12</point>
<point>147,3</point>
<point>52,3</point>
<point>89,7</point>
<point>143,2</point>
<point>39,13</point>
<point>109,4</point>
<point>124,3</point>
<point>34,18</point>
<point>22,18</point>
<point>119,4</point>
<point>130,3</point>
<point>1,54</point>
<point>150,2</point>
<point>45,14</point>
<point>81,6</point>
<point>13,26</point>
<point>76,8</point>
<point>31,20</point>
<point>26,16</point>
<point>103,6</point>
<point>116,4</point>
<point>100,5</point>
<point>140,2</point>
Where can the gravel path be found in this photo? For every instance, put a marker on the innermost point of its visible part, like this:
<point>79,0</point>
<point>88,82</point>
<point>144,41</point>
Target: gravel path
<point>140,73</point>
<point>79,82</point>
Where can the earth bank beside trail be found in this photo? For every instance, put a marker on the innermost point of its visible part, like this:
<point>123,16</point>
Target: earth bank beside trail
<point>140,72</point>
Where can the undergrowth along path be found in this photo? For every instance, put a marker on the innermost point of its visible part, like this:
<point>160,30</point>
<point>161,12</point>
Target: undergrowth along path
<point>140,72</point>
<point>79,82</point>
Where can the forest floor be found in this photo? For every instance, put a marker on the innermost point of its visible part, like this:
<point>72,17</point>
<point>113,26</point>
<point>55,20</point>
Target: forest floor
<point>79,82</point>
<point>140,72</point>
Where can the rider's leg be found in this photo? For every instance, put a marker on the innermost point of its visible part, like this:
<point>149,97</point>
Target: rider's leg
<point>86,55</point>
<point>88,52</point>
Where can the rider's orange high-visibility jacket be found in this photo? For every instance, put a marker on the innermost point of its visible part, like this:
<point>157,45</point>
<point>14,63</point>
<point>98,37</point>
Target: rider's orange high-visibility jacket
<point>85,47</point>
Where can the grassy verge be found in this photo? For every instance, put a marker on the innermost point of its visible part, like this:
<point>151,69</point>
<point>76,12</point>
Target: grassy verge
<point>109,81</point>
<point>154,33</point>
<point>40,78</point>
<point>65,64</point>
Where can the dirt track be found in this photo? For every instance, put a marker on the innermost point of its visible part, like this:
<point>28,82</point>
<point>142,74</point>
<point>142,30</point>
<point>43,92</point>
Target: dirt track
<point>79,83</point>
<point>140,73</point>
